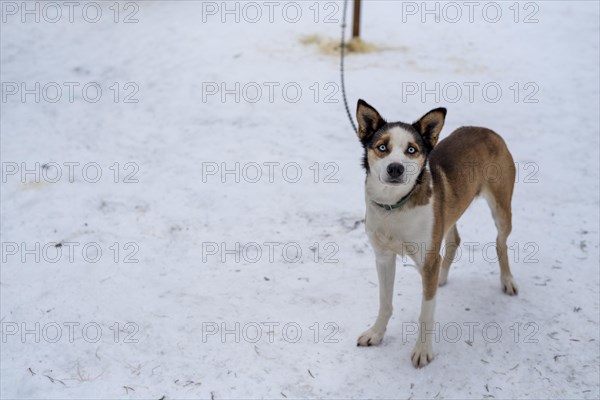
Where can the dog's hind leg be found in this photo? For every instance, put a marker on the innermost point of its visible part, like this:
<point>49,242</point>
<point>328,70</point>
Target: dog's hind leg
<point>499,199</point>
<point>452,240</point>
<point>386,273</point>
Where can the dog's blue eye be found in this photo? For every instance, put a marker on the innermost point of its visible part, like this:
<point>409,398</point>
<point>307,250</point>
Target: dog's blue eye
<point>383,147</point>
<point>411,150</point>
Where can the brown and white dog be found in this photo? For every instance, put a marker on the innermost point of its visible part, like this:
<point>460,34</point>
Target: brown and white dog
<point>415,192</point>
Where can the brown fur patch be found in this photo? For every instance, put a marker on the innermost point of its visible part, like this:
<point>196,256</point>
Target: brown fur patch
<point>473,149</point>
<point>422,193</point>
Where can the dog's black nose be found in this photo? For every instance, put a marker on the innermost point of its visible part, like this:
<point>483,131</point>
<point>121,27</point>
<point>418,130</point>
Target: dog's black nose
<point>395,170</point>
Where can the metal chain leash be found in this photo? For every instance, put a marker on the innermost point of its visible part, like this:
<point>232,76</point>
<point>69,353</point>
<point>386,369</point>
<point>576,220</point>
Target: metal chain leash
<point>342,47</point>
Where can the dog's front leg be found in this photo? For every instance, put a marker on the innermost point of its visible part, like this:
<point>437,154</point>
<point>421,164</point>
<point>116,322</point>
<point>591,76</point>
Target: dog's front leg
<point>423,351</point>
<point>386,273</point>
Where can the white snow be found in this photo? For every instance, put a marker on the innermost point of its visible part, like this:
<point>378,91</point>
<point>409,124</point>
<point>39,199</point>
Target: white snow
<point>174,217</point>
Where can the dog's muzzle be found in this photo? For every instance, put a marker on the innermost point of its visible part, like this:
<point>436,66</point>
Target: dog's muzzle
<point>395,171</point>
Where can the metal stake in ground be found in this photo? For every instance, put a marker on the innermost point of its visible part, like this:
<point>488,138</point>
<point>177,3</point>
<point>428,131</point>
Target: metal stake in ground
<point>356,22</point>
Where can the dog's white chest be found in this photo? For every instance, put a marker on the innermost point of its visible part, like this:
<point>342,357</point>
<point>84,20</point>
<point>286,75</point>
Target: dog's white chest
<point>400,231</point>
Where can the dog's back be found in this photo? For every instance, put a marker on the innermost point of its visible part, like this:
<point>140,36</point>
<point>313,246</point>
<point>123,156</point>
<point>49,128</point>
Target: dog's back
<point>472,161</point>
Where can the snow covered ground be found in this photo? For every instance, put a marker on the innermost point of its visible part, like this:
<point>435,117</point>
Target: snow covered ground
<point>169,277</point>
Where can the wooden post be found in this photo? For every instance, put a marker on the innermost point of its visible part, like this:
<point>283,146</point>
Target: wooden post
<point>356,22</point>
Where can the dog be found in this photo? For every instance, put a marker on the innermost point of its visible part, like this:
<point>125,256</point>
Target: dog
<point>415,191</point>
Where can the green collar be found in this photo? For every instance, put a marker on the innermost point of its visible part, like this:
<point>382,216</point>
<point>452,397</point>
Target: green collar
<point>399,204</point>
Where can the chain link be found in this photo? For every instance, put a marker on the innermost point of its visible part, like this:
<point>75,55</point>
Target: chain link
<point>342,46</point>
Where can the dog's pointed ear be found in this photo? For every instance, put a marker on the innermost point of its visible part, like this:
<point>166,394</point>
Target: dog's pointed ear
<point>430,125</point>
<point>369,120</point>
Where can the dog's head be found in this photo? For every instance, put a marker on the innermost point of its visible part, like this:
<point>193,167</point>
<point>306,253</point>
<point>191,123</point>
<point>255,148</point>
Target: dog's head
<point>396,152</point>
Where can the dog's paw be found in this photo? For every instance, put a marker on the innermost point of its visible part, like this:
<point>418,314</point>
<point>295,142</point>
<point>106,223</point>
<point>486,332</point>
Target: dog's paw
<point>370,337</point>
<point>509,286</point>
<point>422,354</point>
